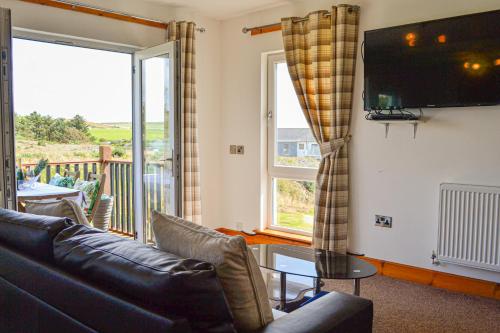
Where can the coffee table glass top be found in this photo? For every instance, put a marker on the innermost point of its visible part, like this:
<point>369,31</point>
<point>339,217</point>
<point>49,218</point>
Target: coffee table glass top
<point>309,262</point>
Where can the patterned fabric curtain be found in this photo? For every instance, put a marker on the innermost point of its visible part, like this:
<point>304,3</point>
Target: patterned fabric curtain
<point>191,201</point>
<point>321,54</point>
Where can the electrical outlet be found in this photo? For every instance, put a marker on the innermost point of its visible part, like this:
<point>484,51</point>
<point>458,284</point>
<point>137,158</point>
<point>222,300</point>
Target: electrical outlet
<point>232,149</point>
<point>383,221</point>
<point>240,150</point>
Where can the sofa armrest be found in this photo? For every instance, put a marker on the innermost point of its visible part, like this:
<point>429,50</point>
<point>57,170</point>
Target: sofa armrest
<point>332,313</point>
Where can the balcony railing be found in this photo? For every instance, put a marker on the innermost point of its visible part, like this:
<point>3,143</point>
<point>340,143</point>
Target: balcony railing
<point>121,188</point>
<point>119,185</point>
<point>58,167</point>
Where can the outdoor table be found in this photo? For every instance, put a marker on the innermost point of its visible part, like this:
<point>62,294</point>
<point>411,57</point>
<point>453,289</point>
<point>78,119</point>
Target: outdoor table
<point>45,191</point>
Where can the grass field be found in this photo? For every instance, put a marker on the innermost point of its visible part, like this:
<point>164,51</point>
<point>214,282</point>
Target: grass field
<point>123,131</point>
<point>111,134</point>
<point>296,220</point>
<point>295,204</point>
<point>29,151</point>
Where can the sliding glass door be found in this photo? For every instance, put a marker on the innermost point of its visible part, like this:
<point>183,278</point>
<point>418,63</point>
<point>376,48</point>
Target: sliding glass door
<point>159,121</point>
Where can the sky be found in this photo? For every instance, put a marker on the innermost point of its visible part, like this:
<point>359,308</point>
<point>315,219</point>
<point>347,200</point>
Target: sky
<point>157,90</point>
<point>62,81</point>
<point>289,113</point>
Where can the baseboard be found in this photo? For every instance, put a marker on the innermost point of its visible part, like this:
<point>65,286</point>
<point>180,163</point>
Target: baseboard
<point>436,279</point>
<point>398,271</point>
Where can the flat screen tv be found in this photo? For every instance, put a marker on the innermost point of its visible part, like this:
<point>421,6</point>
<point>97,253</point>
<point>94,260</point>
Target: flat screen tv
<point>443,63</point>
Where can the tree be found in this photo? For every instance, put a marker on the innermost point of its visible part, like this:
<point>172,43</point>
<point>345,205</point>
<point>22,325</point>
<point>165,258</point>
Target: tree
<point>75,136</point>
<point>36,125</point>
<point>45,128</point>
<point>57,131</point>
<point>79,123</point>
<point>21,125</point>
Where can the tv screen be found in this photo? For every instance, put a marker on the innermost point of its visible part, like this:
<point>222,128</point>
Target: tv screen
<point>441,63</point>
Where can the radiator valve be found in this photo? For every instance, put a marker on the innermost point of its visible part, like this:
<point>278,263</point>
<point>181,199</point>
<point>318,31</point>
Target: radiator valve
<point>434,258</point>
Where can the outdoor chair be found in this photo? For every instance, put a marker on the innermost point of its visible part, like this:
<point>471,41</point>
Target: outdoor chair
<point>73,174</point>
<point>101,179</point>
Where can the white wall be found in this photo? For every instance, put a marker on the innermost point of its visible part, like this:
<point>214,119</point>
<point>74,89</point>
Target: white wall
<point>47,19</point>
<point>398,176</point>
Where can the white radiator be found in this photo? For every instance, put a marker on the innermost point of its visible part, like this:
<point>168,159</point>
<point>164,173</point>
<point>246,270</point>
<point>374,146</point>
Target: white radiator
<point>469,226</point>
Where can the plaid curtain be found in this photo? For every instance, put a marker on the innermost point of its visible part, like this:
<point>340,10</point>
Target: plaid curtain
<point>321,54</point>
<point>191,201</point>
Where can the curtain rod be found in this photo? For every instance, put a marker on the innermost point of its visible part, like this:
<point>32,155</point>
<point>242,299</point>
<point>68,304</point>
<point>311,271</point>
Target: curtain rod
<point>87,9</point>
<point>262,29</point>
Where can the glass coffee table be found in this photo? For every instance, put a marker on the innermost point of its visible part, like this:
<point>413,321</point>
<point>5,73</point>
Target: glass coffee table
<point>312,263</point>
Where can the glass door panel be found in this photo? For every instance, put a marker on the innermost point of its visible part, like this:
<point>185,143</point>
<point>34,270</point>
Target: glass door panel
<point>7,164</point>
<point>159,144</point>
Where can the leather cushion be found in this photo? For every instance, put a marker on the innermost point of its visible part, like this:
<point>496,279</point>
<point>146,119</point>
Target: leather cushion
<point>31,234</point>
<point>333,313</point>
<point>61,208</point>
<point>157,280</point>
<point>236,266</point>
<point>82,301</point>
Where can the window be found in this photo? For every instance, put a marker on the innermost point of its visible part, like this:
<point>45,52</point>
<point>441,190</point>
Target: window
<point>291,171</point>
<point>286,149</point>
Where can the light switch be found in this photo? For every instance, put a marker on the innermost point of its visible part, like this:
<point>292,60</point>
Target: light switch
<point>240,150</point>
<point>232,149</point>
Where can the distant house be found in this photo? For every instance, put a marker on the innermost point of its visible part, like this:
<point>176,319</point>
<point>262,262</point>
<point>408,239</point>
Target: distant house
<point>297,142</point>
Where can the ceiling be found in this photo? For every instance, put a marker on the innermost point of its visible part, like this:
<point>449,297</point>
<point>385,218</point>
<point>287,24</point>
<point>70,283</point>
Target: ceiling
<point>223,9</point>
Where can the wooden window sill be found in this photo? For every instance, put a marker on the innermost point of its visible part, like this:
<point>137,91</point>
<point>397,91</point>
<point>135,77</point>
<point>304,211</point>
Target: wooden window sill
<point>285,235</point>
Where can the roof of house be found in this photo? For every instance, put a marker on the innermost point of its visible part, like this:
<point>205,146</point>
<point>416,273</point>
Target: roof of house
<point>295,135</point>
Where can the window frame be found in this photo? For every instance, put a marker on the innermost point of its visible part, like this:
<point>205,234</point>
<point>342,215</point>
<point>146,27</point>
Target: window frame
<point>274,171</point>
<point>68,40</point>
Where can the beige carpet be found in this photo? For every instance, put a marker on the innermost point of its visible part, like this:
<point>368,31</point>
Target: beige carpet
<point>406,307</point>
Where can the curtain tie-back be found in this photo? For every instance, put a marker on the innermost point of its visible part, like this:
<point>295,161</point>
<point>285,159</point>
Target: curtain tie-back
<point>330,147</point>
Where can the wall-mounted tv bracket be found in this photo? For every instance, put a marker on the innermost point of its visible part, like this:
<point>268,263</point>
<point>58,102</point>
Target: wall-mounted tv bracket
<point>401,116</point>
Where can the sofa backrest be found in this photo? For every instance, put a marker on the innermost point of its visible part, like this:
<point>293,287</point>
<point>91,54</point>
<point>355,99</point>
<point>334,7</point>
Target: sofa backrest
<point>30,234</point>
<point>38,297</point>
<point>156,280</point>
<point>146,278</point>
